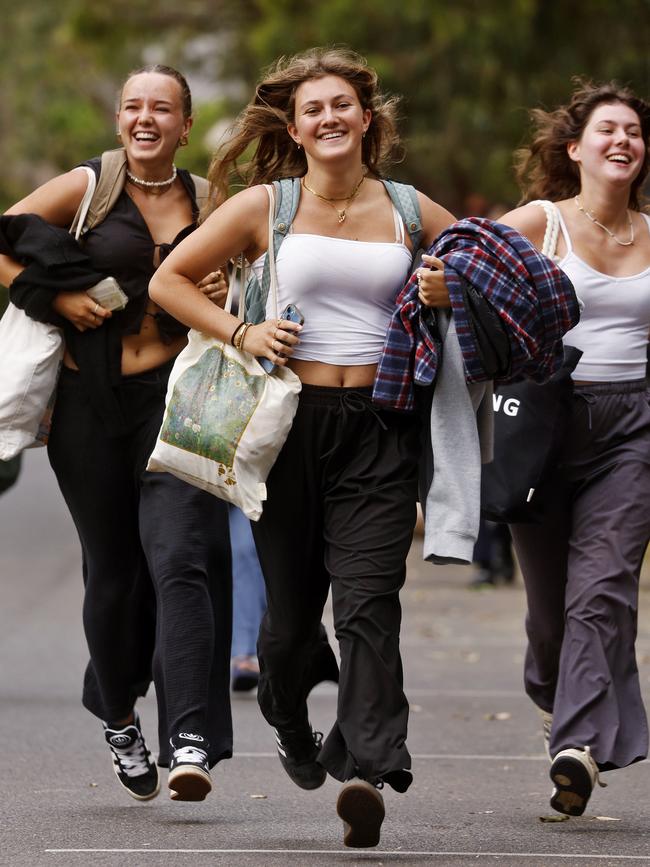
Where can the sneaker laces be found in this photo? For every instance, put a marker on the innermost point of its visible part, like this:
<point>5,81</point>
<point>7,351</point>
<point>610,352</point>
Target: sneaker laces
<point>192,755</point>
<point>132,760</point>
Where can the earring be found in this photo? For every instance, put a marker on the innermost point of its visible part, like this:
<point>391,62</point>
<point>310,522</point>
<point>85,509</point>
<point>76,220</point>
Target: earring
<point>298,146</point>
<point>182,140</point>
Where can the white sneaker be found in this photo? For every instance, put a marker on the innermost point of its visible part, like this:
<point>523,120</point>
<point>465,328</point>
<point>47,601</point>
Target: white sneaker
<point>574,773</point>
<point>547,723</point>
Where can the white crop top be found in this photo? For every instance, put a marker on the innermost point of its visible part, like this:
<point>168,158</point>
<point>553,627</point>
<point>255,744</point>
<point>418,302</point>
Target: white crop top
<point>613,327</point>
<point>345,289</point>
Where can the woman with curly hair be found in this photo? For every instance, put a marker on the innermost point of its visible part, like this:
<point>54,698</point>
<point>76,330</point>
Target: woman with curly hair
<point>342,494</point>
<point>581,565</point>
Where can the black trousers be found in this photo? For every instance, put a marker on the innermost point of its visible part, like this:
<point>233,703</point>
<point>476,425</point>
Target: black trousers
<point>340,512</point>
<point>156,567</point>
<point>581,570</point>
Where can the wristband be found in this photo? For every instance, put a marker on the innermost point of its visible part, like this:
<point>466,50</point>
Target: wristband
<point>242,335</point>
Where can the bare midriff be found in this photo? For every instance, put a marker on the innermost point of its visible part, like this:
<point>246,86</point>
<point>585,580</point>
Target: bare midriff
<point>145,350</point>
<point>333,375</point>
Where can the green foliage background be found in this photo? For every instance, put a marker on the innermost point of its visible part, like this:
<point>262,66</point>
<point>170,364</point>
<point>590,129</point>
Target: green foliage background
<point>468,70</point>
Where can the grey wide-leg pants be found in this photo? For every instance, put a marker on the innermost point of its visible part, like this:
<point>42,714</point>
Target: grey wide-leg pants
<point>581,570</point>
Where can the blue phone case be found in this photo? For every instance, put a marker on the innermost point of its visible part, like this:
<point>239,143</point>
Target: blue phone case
<point>291,313</point>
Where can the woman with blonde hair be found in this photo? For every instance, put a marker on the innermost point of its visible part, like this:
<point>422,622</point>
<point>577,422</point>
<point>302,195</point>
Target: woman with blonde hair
<point>341,496</point>
<point>581,565</point>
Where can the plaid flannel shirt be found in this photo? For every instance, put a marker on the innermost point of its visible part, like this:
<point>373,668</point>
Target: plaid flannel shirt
<point>533,297</point>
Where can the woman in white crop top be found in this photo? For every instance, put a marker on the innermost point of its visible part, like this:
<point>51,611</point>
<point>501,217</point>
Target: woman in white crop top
<point>581,566</point>
<point>342,494</point>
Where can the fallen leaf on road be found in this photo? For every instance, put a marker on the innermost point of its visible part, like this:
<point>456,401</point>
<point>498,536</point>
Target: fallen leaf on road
<point>259,797</point>
<point>415,708</point>
<point>501,715</point>
<point>558,818</point>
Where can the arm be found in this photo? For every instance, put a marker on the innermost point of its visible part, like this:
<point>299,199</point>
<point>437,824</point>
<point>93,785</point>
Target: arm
<point>240,224</point>
<point>57,202</point>
<point>432,289</point>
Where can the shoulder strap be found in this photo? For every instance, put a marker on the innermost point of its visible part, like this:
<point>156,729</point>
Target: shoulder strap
<point>201,188</point>
<point>287,198</point>
<point>77,225</point>
<point>552,226</point>
<point>405,199</point>
<point>112,176</point>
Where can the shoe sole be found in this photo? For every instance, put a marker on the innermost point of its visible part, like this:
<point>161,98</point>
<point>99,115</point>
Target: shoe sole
<point>573,786</point>
<point>141,797</point>
<point>361,807</point>
<point>189,783</point>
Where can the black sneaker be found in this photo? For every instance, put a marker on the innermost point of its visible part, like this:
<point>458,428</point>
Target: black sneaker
<point>361,807</point>
<point>189,772</point>
<point>298,750</point>
<point>132,760</point>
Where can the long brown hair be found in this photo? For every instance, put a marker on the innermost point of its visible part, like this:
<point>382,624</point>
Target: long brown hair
<point>264,121</point>
<point>544,169</point>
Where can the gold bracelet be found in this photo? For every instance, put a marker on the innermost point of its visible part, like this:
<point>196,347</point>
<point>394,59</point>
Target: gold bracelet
<point>242,335</point>
<point>233,339</point>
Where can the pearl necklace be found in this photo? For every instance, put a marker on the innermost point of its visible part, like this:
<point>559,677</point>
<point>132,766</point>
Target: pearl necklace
<point>347,199</point>
<point>591,217</point>
<point>152,184</point>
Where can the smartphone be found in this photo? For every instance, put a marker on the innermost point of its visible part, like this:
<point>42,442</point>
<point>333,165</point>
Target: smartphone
<point>107,294</point>
<point>291,313</point>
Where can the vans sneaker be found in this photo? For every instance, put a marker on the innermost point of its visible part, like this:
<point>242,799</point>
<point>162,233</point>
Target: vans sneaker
<point>574,773</point>
<point>189,772</point>
<point>361,807</point>
<point>132,760</point>
<point>298,751</point>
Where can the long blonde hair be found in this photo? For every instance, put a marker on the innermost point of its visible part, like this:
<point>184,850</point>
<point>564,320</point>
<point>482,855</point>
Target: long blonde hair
<point>265,119</point>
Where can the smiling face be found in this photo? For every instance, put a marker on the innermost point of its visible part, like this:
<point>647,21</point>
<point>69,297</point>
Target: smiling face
<point>329,121</point>
<point>150,118</point>
<point>611,146</point>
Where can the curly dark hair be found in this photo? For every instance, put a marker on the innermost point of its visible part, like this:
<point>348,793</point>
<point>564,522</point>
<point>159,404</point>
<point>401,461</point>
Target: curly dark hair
<point>263,122</point>
<point>544,169</point>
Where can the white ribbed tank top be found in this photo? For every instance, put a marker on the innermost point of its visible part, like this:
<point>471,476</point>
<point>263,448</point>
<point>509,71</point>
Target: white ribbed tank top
<point>613,328</point>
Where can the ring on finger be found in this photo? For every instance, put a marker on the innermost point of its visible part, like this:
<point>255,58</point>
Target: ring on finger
<point>96,309</point>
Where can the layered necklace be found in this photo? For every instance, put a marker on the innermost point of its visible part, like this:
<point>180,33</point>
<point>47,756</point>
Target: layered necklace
<point>152,185</point>
<point>341,212</point>
<point>591,217</point>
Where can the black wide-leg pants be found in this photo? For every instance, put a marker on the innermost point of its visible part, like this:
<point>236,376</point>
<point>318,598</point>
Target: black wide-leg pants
<point>156,566</point>
<point>340,513</point>
<point>581,570</point>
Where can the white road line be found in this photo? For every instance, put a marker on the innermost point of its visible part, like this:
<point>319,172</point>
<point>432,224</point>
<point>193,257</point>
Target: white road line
<point>441,756</point>
<point>375,853</point>
<point>326,690</point>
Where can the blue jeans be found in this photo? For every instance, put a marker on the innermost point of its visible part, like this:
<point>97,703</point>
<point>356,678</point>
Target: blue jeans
<point>249,595</point>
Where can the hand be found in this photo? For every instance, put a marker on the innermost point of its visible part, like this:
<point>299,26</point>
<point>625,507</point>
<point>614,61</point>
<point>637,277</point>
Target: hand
<point>215,286</point>
<point>274,339</point>
<point>432,289</point>
<point>80,309</point>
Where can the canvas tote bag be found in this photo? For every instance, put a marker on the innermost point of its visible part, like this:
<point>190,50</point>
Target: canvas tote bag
<point>31,355</point>
<point>226,419</point>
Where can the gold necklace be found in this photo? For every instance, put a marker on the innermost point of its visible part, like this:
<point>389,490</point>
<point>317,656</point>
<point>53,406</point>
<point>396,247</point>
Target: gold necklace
<point>347,199</point>
<point>591,217</point>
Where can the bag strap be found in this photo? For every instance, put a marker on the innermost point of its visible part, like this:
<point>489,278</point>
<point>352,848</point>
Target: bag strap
<point>405,199</point>
<point>552,226</point>
<point>77,225</point>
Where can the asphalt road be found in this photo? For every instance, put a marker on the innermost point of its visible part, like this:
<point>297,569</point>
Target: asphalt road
<point>481,786</point>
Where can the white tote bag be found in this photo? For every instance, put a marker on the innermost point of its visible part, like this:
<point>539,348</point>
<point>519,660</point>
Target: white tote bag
<point>31,355</point>
<point>226,419</point>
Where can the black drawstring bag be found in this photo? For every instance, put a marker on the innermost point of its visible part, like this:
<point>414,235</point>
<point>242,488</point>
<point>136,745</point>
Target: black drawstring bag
<point>530,421</point>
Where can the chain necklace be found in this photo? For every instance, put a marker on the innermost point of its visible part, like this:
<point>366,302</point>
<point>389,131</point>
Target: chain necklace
<point>591,217</point>
<point>347,199</point>
<point>152,184</point>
